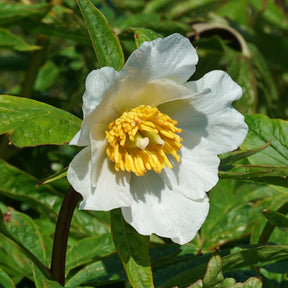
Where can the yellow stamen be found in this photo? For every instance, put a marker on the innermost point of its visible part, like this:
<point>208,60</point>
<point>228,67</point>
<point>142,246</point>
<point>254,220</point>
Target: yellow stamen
<point>140,139</point>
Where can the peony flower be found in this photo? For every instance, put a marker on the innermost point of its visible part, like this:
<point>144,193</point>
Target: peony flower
<point>152,139</point>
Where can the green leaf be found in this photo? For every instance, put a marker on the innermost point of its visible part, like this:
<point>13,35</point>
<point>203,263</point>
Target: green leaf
<point>228,159</point>
<point>50,284</point>
<point>228,282</point>
<point>12,261</point>
<point>38,277</point>
<point>58,175</point>
<point>133,250</point>
<point>252,282</point>
<point>275,175</point>
<point>20,237</point>
<point>5,281</point>
<point>78,254</point>
<point>254,256</point>
<point>276,218</point>
<point>14,12</point>
<point>18,185</point>
<point>41,282</point>
<point>275,197</point>
<point>153,22</point>
<point>155,5</point>
<point>262,130</point>
<point>195,8</point>
<point>272,13</point>
<point>104,40</point>
<point>265,81</point>
<point>26,232</point>
<point>9,40</point>
<point>90,223</point>
<point>275,54</point>
<point>47,75</point>
<point>214,277</point>
<point>236,285</point>
<point>240,68</point>
<point>142,34</point>
<point>236,11</point>
<point>100,272</point>
<point>230,217</point>
<point>198,284</point>
<point>136,20</point>
<point>32,123</point>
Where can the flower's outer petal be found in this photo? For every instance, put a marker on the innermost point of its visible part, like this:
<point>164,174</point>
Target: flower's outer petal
<point>197,171</point>
<point>211,114</point>
<point>226,127</point>
<point>173,57</point>
<point>98,150</point>
<point>165,212</point>
<point>112,190</point>
<point>76,140</point>
<point>100,86</point>
<point>153,93</point>
<point>98,82</point>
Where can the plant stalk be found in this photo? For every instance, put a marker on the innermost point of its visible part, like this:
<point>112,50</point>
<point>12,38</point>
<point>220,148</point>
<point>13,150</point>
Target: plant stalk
<point>37,59</point>
<point>69,204</point>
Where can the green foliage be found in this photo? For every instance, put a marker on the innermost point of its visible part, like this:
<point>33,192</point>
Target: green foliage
<point>276,218</point>
<point>133,250</point>
<point>9,40</point>
<point>269,164</point>
<point>263,130</point>
<point>5,280</point>
<point>142,34</point>
<point>47,124</point>
<point>18,185</point>
<point>15,12</point>
<point>46,54</point>
<point>105,42</point>
<point>78,254</point>
<point>214,278</point>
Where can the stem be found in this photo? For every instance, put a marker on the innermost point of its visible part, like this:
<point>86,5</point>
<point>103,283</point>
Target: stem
<point>61,235</point>
<point>269,227</point>
<point>37,59</point>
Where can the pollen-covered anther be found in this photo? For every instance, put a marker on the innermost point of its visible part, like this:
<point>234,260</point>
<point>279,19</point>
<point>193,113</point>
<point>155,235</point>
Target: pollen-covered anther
<point>140,139</point>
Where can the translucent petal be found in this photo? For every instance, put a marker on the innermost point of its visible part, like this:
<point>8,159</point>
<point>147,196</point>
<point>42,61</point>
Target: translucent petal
<point>172,58</point>
<point>98,82</point>
<point>157,209</point>
<point>112,190</point>
<point>197,171</point>
<point>153,93</point>
<point>211,114</point>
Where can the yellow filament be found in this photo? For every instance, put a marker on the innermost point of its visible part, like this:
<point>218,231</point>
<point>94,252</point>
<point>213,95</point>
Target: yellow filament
<point>127,135</point>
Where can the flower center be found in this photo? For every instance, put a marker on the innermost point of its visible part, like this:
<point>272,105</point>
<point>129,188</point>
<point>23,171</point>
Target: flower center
<point>140,139</point>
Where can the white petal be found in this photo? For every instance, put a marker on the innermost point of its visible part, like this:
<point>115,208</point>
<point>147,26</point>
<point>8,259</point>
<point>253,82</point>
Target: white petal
<point>98,151</point>
<point>167,213</point>
<point>197,171</point>
<point>173,57</point>
<point>75,139</point>
<point>226,127</point>
<point>153,93</point>
<point>98,82</point>
<point>211,114</point>
<point>112,190</point>
<point>101,85</point>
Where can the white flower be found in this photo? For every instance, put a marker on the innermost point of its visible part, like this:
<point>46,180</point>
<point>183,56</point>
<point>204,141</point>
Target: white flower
<point>152,139</point>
